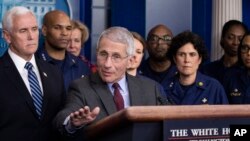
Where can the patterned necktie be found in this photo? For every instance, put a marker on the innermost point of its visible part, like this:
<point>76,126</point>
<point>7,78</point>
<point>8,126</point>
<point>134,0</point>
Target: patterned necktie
<point>35,88</point>
<point>118,97</point>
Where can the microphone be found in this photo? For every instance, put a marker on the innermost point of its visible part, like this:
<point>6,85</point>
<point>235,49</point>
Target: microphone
<point>165,101</point>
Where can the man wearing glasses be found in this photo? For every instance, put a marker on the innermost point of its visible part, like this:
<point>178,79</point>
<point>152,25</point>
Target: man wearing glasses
<point>110,89</point>
<point>157,66</point>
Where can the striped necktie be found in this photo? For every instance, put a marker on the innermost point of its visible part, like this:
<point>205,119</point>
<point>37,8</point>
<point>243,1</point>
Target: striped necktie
<point>118,97</point>
<point>35,89</point>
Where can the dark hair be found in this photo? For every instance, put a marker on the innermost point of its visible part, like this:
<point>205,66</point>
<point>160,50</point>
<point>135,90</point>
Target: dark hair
<point>184,38</point>
<point>240,62</point>
<point>229,24</point>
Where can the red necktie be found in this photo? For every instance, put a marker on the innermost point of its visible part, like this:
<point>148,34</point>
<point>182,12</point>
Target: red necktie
<point>118,97</point>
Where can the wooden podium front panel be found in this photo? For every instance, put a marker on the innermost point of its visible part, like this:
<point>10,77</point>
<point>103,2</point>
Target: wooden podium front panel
<point>145,123</point>
<point>140,131</point>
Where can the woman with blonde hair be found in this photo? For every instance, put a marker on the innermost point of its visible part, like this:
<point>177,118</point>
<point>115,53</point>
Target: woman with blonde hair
<point>79,35</point>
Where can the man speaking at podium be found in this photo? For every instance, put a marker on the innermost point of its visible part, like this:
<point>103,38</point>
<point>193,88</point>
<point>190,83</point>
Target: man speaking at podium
<point>110,89</point>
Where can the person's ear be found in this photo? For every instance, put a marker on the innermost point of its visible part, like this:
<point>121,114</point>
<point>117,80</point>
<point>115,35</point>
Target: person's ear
<point>131,61</point>
<point>174,59</point>
<point>6,36</point>
<point>44,30</point>
<point>200,60</point>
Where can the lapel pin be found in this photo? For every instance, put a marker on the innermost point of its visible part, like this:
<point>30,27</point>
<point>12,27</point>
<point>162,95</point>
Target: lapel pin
<point>45,74</point>
<point>200,84</point>
<point>204,100</point>
<point>235,92</point>
<point>171,84</point>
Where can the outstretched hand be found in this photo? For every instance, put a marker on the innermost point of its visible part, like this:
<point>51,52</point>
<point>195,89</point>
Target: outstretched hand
<point>83,116</point>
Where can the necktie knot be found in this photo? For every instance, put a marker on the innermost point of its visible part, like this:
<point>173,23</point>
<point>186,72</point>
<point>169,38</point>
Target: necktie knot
<point>28,66</point>
<point>116,86</point>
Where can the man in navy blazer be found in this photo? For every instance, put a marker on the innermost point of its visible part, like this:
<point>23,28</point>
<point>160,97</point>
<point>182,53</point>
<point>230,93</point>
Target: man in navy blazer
<point>93,97</point>
<point>19,120</point>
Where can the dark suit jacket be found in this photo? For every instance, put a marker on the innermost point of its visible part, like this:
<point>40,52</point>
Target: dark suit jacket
<point>92,91</point>
<point>18,119</point>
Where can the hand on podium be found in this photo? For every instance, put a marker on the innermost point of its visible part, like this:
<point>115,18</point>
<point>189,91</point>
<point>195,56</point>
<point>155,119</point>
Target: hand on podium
<point>83,116</point>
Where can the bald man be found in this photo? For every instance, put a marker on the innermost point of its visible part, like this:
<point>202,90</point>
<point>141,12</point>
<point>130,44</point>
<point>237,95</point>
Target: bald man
<point>158,67</point>
<point>57,30</point>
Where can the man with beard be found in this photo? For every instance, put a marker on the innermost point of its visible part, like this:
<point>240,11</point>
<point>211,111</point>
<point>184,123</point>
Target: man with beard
<point>57,30</point>
<point>158,66</point>
<point>232,33</point>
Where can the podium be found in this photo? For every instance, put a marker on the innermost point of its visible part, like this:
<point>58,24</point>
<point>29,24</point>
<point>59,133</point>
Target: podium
<point>146,123</point>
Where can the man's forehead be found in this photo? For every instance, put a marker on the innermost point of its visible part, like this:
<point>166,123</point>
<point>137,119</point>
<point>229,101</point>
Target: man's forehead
<point>162,32</point>
<point>110,50</point>
<point>60,19</point>
<point>21,21</point>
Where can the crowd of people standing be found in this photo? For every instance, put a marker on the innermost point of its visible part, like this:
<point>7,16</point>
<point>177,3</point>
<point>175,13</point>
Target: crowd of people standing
<point>52,92</point>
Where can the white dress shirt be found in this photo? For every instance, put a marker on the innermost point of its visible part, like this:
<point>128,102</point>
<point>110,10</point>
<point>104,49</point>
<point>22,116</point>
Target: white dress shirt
<point>20,63</point>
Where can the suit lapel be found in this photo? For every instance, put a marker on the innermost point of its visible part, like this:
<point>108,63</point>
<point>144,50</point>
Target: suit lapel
<point>134,91</point>
<point>17,81</point>
<point>104,93</point>
<point>106,96</point>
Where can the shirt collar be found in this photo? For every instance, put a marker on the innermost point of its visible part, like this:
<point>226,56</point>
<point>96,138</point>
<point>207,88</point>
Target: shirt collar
<point>69,59</point>
<point>20,62</point>
<point>122,84</point>
<point>199,81</point>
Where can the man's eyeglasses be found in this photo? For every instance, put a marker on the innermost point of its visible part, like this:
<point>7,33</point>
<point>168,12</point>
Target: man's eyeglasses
<point>155,38</point>
<point>115,58</point>
<point>245,48</point>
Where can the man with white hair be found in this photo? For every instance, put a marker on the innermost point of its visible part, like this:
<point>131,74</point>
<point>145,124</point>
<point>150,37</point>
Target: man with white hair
<point>31,90</point>
<point>111,89</point>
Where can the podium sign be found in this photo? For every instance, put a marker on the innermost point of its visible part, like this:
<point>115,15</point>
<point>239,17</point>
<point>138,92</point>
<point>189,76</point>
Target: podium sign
<point>215,129</point>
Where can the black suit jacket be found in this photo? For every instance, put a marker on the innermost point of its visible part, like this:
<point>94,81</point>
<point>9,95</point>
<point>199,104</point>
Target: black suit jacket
<point>92,91</point>
<point>18,119</point>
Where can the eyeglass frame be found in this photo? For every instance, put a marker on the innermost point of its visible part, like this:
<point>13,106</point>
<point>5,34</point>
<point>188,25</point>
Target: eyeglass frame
<point>245,48</point>
<point>165,38</point>
<point>104,56</point>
